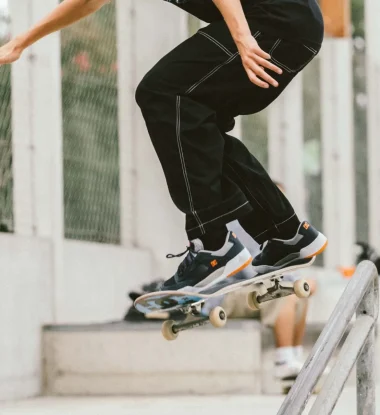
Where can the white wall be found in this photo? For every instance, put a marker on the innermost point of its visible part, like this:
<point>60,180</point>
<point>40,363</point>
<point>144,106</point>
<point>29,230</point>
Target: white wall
<point>94,284</point>
<point>96,280</point>
<point>25,304</point>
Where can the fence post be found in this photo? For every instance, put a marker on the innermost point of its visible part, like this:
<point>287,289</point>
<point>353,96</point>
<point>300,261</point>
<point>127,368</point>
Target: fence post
<point>37,136</point>
<point>365,374</point>
<point>126,114</point>
<point>286,143</point>
<point>372,38</point>
<point>338,151</point>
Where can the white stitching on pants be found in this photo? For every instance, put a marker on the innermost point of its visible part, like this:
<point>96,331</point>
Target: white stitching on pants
<point>237,174</point>
<point>278,224</point>
<point>230,59</point>
<point>314,52</point>
<point>178,133</point>
<point>221,216</point>
<point>191,89</point>
<point>216,42</point>
<point>275,225</point>
<point>282,65</point>
<point>276,43</point>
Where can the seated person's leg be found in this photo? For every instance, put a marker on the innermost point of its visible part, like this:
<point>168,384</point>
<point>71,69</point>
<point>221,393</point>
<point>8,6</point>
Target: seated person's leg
<point>281,315</point>
<point>300,323</point>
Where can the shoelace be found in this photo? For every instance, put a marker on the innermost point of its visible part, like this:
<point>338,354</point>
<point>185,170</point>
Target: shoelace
<point>189,258</point>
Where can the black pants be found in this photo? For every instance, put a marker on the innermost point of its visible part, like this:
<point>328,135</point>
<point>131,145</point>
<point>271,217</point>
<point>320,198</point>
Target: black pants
<point>189,100</point>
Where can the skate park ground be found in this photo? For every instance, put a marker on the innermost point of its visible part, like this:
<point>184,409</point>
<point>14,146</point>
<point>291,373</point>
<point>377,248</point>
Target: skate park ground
<point>169,405</point>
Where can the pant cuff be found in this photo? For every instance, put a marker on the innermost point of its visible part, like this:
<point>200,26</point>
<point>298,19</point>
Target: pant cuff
<point>213,219</point>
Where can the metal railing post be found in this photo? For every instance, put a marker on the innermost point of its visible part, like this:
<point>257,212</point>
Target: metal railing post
<point>365,373</point>
<point>365,280</point>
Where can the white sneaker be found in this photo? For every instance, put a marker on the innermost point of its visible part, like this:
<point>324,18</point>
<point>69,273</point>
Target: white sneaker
<point>287,371</point>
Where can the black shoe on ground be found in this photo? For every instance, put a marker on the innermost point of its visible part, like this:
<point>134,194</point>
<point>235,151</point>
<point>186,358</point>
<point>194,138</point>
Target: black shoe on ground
<point>202,269</point>
<point>278,253</point>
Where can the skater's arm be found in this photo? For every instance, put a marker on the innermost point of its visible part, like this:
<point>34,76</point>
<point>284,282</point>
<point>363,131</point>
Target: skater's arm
<point>253,57</point>
<point>65,14</point>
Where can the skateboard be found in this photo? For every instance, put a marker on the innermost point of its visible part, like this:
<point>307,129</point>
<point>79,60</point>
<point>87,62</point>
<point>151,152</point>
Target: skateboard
<point>260,288</point>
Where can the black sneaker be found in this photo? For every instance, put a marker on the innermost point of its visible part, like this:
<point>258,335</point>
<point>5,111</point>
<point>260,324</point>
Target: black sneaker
<point>202,269</point>
<point>278,253</point>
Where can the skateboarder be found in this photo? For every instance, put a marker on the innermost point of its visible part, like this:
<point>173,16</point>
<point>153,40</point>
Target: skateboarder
<point>237,65</point>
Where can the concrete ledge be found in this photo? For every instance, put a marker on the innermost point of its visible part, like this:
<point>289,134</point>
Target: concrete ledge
<point>133,359</point>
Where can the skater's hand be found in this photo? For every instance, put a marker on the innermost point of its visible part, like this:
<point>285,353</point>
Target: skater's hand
<point>255,60</point>
<point>10,52</point>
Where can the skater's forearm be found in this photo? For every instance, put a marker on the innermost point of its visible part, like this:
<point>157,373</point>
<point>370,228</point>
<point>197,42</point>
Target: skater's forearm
<point>234,17</point>
<point>65,14</point>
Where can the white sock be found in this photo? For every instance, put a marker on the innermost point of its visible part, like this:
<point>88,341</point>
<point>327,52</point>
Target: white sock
<point>298,353</point>
<point>284,355</point>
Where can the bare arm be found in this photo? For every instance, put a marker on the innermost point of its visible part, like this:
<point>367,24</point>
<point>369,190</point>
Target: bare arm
<point>65,14</point>
<point>254,59</point>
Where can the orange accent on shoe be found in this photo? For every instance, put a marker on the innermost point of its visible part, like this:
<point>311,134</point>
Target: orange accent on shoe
<point>245,265</point>
<point>306,225</point>
<point>214,263</point>
<point>234,235</point>
<point>318,252</point>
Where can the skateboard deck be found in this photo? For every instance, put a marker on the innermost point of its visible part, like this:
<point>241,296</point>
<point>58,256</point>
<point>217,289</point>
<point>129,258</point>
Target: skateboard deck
<point>260,288</point>
<point>181,299</point>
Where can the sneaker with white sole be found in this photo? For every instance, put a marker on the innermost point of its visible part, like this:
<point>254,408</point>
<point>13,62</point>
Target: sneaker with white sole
<point>202,269</point>
<point>287,371</point>
<point>277,254</point>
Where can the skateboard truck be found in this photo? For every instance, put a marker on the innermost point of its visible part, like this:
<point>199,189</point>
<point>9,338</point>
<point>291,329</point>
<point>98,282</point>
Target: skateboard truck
<point>217,317</point>
<point>300,288</point>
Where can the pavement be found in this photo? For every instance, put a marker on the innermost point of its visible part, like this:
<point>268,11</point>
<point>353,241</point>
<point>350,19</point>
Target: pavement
<point>170,405</point>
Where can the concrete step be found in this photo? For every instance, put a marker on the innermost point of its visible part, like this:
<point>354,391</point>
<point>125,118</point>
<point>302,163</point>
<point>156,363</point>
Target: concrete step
<point>133,359</point>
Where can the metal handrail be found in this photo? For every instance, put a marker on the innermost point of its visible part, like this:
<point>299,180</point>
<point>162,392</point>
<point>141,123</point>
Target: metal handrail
<point>361,295</point>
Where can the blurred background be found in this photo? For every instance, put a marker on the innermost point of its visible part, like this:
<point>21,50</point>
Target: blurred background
<point>85,216</point>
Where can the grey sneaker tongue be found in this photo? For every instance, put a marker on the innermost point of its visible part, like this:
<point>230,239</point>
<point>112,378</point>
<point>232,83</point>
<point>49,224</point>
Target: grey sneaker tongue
<point>197,244</point>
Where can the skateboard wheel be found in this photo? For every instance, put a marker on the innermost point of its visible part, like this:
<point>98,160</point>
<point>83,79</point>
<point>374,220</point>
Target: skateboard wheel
<point>253,302</point>
<point>218,317</point>
<point>167,330</point>
<point>301,289</point>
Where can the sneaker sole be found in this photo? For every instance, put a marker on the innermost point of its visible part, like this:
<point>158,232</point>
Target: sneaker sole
<point>315,248</point>
<point>312,250</point>
<point>233,266</point>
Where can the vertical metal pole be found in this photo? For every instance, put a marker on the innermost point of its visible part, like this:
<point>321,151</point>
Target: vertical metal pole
<point>365,373</point>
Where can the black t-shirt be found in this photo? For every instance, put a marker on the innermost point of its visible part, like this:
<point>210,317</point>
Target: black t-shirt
<point>297,20</point>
